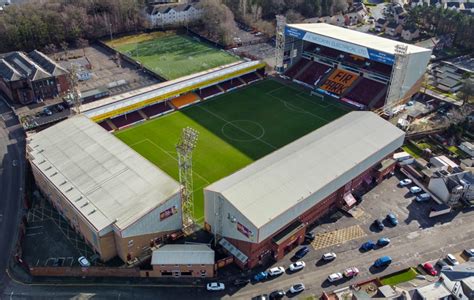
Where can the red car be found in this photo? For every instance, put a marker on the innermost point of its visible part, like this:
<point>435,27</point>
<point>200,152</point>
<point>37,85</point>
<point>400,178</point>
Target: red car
<point>429,269</point>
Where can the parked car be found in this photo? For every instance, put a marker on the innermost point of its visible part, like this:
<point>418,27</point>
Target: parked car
<point>302,252</point>
<point>309,236</point>
<point>430,269</point>
<point>383,261</point>
<point>351,272</point>
<point>241,281</point>
<point>469,252</point>
<point>405,182</point>
<point>369,245</point>
<point>441,263</point>
<point>392,219</point>
<point>47,111</point>
<point>297,288</point>
<point>215,286</point>
<point>378,224</point>
<point>415,189</point>
<point>451,259</point>
<point>334,277</point>
<point>329,256</point>
<point>278,294</point>
<point>382,242</point>
<point>260,276</point>
<point>423,197</point>
<point>275,271</point>
<point>83,261</point>
<point>260,297</point>
<point>299,265</point>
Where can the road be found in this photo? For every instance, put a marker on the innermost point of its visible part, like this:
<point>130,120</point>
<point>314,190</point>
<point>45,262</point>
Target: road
<point>12,176</point>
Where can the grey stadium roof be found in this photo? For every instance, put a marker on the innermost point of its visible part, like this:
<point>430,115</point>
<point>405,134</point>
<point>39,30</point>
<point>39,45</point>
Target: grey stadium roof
<point>183,254</point>
<point>320,162</point>
<point>104,179</point>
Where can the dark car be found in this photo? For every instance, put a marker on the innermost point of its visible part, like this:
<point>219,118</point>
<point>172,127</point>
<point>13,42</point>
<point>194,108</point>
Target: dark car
<point>441,263</point>
<point>378,224</point>
<point>392,219</point>
<point>309,236</point>
<point>278,294</point>
<point>302,252</point>
<point>260,297</point>
<point>241,281</point>
<point>369,245</point>
<point>382,242</point>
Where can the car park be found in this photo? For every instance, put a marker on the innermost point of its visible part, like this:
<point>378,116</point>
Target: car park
<point>302,252</point>
<point>334,277</point>
<point>278,294</point>
<point>415,190</point>
<point>392,219</point>
<point>260,276</point>
<point>429,269</point>
<point>351,272</point>
<point>329,256</point>
<point>297,288</point>
<point>215,286</point>
<point>383,261</point>
<point>241,281</point>
<point>405,182</point>
<point>469,252</point>
<point>369,245</point>
<point>378,224</point>
<point>299,265</point>
<point>382,242</point>
<point>83,261</point>
<point>423,197</point>
<point>451,259</point>
<point>276,271</point>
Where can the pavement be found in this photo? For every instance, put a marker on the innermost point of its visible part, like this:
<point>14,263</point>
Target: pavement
<point>12,174</point>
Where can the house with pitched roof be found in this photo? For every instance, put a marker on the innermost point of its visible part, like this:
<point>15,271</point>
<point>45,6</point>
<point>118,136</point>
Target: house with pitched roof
<point>166,15</point>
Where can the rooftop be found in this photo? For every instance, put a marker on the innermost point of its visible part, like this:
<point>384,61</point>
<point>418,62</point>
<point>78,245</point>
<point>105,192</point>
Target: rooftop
<point>356,37</point>
<point>104,179</point>
<point>183,254</point>
<point>318,163</point>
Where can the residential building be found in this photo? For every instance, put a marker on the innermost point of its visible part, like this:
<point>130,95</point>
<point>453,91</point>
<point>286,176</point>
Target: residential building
<point>443,163</point>
<point>166,15</point>
<point>468,148</point>
<point>453,188</point>
<point>409,34</point>
<point>183,260</point>
<point>393,28</point>
<point>25,78</point>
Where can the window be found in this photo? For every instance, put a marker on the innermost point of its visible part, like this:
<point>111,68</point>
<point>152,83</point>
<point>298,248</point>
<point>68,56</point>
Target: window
<point>165,273</point>
<point>189,266</point>
<point>186,273</point>
<point>130,243</point>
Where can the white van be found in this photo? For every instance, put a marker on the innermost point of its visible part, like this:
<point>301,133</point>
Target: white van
<point>423,197</point>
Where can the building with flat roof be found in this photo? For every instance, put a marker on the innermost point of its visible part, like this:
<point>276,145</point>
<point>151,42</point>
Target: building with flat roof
<point>262,210</point>
<point>116,199</point>
<point>183,260</point>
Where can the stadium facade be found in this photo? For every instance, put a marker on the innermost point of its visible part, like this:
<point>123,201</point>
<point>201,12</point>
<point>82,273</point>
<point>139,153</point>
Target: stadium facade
<point>118,201</point>
<point>363,70</point>
<point>262,211</point>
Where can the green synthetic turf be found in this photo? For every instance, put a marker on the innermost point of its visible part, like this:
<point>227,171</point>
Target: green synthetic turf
<point>235,129</point>
<point>174,56</point>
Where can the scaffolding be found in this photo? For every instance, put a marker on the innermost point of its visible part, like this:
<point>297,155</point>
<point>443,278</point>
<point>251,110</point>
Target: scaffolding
<point>280,43</point>
<point>395,88</point>
<point>184,148</point>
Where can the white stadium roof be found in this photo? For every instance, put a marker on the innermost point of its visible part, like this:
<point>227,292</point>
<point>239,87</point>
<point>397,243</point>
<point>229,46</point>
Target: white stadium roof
<point>104,179</point>
<point>320,162</point>
<point>355,37</point>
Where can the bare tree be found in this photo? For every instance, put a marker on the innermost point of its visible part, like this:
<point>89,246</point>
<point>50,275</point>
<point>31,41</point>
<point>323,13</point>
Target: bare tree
<point>65,46</point>
<point>219,20</point>
<point>467,90</point>
<point>83,43</point>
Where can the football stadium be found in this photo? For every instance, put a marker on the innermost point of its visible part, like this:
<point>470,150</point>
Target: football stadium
<point>171,55</point>
<point>273,155</point>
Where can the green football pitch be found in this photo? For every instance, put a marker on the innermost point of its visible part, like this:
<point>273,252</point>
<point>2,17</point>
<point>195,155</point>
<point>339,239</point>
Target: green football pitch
<point>235,129</point>
<point>174,56</point>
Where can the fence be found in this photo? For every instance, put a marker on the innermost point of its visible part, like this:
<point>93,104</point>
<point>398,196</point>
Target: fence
<point>82,272</point>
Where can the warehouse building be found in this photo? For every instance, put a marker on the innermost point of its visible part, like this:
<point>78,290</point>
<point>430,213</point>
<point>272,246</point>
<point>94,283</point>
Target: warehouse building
<point>261,212</point>
<point>183,260</point>
<point>118,201</point>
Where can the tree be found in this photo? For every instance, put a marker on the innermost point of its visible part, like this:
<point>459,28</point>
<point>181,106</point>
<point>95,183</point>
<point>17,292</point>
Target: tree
<point>218,21</point>
<point>467,89</point>
<point>65,47</point>
<point>82,43</point>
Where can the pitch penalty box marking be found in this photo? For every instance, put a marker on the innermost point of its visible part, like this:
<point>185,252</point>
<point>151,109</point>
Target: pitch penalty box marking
<point>167,153</point>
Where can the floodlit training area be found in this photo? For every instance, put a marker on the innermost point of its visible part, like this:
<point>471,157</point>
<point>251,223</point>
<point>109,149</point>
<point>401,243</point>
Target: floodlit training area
<point>235,129</point>
<point>171,55</point>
